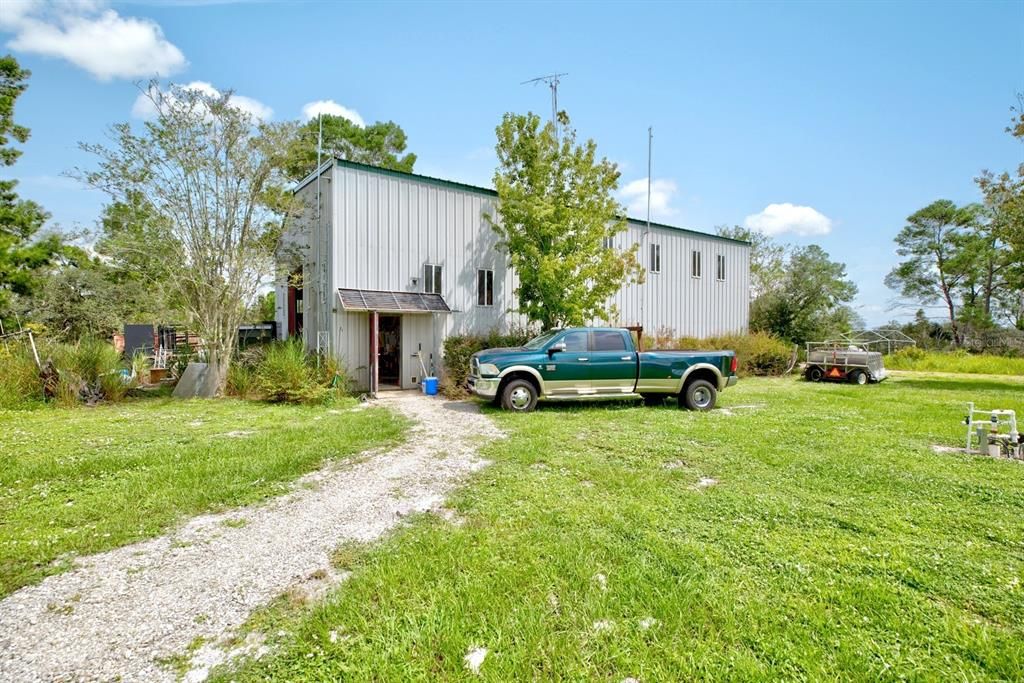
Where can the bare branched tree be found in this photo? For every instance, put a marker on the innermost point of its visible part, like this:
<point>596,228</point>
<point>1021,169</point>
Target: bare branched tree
<point>212,174</point>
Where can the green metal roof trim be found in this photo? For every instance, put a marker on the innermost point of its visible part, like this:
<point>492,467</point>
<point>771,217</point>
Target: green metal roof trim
<point>451,184</point>
<point>440,182</point>
<point>642,223</point>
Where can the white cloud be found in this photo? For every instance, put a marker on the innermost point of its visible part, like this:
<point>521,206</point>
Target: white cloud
<point>311,110</point>
<point>91,37</point>
<point>144,108</point>
<point>663,191</point>
<point>777,219</point>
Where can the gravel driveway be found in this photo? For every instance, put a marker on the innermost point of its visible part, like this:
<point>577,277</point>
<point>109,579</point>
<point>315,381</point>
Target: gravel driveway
<point>123,614</point>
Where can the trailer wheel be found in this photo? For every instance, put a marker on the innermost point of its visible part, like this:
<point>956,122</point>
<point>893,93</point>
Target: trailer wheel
<point>699,394</point>
<point>858,377</point>
<point>814,374</point>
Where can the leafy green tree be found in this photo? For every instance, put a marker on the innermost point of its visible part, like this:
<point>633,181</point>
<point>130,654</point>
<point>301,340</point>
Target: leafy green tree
<point>23,255</point>
<point>926,332</point>
<point>206,169</point>
<point>380,144</point>
<point>810,303</point>
<point>767,258</point>
<point>555,209</point>
<point>939,260</point>
<point>983,260</point>
<point>1004,197</point>
<point>138,249</point>
<point>264,309</point>
<point>79,301</point>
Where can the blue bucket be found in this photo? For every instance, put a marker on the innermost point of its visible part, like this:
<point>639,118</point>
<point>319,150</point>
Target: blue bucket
<point>430,386</point>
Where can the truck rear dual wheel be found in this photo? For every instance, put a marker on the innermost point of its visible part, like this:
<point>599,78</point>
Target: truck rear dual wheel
<point>699,394</point>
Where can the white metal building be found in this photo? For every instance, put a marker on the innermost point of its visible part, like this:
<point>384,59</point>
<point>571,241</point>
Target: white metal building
<point>400,261</point>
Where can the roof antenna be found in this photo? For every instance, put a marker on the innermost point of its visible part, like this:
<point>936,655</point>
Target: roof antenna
<point>650,144</point>
<point>645,239</point>
<point>552,80</point>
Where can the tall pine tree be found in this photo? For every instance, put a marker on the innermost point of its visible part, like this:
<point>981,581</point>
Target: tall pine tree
<point>23,256</point>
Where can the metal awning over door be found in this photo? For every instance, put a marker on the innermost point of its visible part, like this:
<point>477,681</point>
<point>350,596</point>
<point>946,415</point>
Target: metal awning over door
<point>354,300</point>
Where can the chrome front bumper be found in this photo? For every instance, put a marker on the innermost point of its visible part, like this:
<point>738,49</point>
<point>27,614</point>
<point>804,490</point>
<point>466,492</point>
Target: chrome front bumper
<point>484,387</point>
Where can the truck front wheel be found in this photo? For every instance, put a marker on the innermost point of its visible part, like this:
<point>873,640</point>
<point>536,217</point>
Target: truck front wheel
<point>699,394</point>
<point>519,395</point>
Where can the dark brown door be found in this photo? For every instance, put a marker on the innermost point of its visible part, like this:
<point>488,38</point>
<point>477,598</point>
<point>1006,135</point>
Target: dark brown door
<point>390,349</point>
<point>295,303</point>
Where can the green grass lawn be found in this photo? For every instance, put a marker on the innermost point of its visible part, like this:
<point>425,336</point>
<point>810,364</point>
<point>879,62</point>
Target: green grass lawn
<point>936,361</point>
<point>76,481</point>
<point>835,545</point>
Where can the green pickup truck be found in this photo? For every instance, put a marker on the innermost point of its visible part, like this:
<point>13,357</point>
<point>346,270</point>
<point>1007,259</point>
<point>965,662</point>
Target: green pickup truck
<point>598,361</point>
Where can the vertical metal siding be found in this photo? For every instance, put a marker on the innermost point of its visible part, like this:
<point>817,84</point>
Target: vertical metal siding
<point>675,300</point>
<point>385,228</point>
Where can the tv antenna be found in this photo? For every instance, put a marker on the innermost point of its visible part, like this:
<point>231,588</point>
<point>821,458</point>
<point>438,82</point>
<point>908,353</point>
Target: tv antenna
<point>552,80</point>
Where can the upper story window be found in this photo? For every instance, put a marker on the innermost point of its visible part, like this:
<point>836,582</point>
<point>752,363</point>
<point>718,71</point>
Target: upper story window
<point>695,264</point>
<point>432,279</point>
<point>608,242</point>
<point>655,263</point>
<point>720,267</point>
<point>575,341</point>
<point>609,340</point>
<point>485,288</point>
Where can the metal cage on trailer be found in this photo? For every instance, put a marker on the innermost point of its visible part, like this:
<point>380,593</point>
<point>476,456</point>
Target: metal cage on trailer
<point>842,362</point>
<point>883,339</point>
<point>853,357</point>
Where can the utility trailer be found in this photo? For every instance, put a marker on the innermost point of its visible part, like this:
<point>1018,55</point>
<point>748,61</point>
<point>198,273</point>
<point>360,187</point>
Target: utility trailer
<point>842,362</point>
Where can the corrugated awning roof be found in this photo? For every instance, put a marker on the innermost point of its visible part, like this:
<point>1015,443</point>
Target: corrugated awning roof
<point>392,302</point>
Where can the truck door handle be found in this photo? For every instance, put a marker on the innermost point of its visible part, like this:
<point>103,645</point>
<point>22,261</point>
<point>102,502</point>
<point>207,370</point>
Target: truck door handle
<point>583,360</point>
<point>626,358</point>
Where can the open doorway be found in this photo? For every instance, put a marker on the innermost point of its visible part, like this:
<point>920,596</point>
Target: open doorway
<point>390,351</point>
<point>295,288</point>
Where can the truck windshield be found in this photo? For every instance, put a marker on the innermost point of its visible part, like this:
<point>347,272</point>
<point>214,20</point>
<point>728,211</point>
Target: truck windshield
<point>540,341</point>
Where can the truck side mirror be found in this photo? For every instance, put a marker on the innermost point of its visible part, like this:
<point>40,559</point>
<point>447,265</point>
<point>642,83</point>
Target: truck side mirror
<point>560,346</point>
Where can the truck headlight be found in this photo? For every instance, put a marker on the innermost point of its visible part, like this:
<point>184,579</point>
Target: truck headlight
<point>488,369</point>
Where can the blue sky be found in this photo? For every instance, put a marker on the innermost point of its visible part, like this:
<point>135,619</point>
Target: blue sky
<point>826,123</point>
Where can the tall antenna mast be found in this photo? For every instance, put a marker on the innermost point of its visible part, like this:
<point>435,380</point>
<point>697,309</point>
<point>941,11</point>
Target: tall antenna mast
<point>321,285</point>
<point>650,144</point>
<point>552,80</point>
<point>647,233</point>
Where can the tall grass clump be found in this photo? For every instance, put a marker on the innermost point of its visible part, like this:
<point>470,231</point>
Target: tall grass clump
<point>20,384</point>
<point>288,374</point>
<point>960,361</point>
<point>90,371</point>
<point>243,381</point>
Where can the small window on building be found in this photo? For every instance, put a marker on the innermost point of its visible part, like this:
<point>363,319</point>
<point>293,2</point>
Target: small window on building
<point>575,341</point>
<point>485,287</point>
<point>609,340</point>
<point>608,243</point>
<point>720,271</point>
<point>432,279</point>
<point>695,264</point>
<point>655,265</point>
